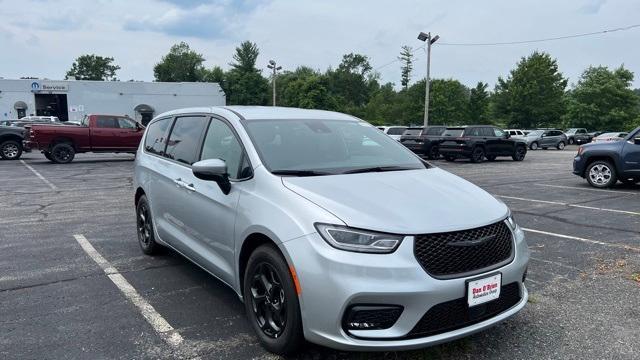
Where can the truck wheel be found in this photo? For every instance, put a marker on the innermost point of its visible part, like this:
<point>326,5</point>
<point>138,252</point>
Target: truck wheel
<point>62,153</point>
<point>521,152</point>
<point>560,145</point>
<point>477,155</point>
<point>10,150</point>
<point>601,174</point>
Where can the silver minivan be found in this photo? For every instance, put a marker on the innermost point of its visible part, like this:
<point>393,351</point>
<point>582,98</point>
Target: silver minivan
<point>328,230</point>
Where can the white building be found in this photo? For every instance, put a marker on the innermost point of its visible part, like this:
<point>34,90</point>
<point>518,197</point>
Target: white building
<point>72,99</point>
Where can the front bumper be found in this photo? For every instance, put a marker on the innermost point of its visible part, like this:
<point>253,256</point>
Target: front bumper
<point>579,165</point>
<point>331,280</point>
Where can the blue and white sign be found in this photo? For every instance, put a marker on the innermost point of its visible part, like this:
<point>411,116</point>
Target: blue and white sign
<point>35,86</point>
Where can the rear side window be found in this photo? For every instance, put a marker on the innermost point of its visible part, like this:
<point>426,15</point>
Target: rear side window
<point>435,131</point>
<point>474,131</point>
<point>453,132</point>
<point>412,132</point>
<point>183,143</point>
<point>107,122</point>
<point>126,123</point>
<point>155,140</point>
<point>396,131</point>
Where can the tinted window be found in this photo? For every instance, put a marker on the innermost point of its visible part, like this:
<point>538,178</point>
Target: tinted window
<point>126,123</point>
<point>221,143</point>
<point>435,131</point>
<point>107,122</point>
<point>453,132</point>
<point>474,131</point>
<point>412,132</point>
<point>396,131</point>
<point>155,138</point>
<point>183,143</point>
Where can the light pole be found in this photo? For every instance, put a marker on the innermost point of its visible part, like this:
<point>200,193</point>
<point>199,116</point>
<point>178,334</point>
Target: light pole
<point>272,65</point>
<point>426,37</point>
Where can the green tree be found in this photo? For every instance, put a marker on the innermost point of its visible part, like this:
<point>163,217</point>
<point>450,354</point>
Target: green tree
<point>406,58</point>
<point>244,83</point>
<point>352,83</point>
<point>448,102</point>
<point>93,67</point>
<point>180,64</point>
<point>532,95</point>
<point>603,99</point>
<point>478,103</point>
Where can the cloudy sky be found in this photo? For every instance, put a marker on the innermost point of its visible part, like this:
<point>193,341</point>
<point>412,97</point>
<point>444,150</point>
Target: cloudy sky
<point>42,37</point>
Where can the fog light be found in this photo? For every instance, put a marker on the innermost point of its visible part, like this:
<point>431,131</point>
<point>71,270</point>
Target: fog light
<point>371,317</point>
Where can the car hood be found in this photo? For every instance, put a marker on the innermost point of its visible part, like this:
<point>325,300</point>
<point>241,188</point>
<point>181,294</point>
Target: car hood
<point>402,202</point>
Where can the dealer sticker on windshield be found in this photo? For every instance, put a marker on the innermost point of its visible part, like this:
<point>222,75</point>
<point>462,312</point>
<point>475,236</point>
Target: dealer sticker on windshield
<point>483,290</point>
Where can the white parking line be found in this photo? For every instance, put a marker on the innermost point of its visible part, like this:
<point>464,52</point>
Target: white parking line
<point>53,187</point>
<point>159,324</point>
<point>589,189</point>
<point>570,205</point>
<point>619,246</point>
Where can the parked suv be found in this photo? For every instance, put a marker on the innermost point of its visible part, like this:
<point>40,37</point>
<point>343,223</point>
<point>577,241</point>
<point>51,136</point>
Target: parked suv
<point>393,132</point>
<point>604,163</point>
<point>546,139</point>
<point>423,141</point>
<point>11,142</point>
<point>317,215</point>
<point>578,136</point>
<point>478,142</point>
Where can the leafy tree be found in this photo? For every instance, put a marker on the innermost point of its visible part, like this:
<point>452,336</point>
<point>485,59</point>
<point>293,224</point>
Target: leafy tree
<point>244,83</point>
<point>603,99</point>
<point>93,67</point>
<point>448,102</point>
<point>532,95</point>
<point>406,58</point>
<point>479,103</point>
<point>180,64</point>
<point>352,83</point>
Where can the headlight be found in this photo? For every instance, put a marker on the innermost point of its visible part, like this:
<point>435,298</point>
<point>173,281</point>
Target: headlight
<point>511,223</point>
<point>345,238</point>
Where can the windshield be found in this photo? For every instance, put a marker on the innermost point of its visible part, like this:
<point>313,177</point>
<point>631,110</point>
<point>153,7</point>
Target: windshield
<point>535,133</point>
<point>327,146</point>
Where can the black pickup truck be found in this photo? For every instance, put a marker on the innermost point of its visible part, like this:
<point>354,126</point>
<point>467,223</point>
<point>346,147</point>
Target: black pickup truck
<point>604,163</point>
<point>11,142</point>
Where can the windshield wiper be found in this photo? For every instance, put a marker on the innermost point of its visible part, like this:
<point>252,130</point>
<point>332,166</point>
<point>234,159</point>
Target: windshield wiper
<point>300,172</point>
<point>378,169</point>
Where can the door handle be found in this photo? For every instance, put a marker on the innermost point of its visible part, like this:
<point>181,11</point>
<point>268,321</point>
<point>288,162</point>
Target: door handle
<point>184,185</point>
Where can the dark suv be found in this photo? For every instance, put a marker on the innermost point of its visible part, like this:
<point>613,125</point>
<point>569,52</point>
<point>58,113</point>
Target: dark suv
<point>423,141</point>
<point>604,163</point>
<point>478,142</point>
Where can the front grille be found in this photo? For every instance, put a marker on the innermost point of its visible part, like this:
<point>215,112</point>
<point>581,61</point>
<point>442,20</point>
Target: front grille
<point>371,317</point>
<point>456,314</point>
<point>462,253</point>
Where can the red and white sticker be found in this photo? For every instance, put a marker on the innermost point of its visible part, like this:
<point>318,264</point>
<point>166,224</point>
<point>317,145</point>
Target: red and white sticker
<point>483,290</point>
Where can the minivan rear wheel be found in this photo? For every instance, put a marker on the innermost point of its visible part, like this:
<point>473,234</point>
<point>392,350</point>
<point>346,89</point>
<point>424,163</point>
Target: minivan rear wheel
<point>144,222</point>
<point>271,301</point>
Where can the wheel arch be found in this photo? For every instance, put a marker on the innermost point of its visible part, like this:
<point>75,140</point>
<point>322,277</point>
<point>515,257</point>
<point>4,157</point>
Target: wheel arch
<point>13,137</point>
<point>62,139</point>
<point>599,157</point>
<point>139,193</point>
<point>250,243</point>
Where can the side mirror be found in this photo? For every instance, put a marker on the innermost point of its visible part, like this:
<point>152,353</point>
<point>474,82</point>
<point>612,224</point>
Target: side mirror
<point>636,140</point>
<point>213,170</point>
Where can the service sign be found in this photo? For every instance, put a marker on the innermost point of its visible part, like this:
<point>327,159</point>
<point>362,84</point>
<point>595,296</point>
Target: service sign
<point>37,86</point>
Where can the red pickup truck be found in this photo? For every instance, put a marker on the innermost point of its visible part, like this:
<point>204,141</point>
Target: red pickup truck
<point>96,133</point>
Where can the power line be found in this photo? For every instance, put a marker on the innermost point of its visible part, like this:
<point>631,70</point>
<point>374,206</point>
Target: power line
<point>625,28</point>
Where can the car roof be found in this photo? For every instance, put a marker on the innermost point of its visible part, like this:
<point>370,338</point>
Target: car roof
<point>268,113</point>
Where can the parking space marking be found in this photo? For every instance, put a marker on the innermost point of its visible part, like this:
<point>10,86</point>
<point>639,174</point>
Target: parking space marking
<point>159,324</point>
<point>570,205</point>
<point>51,185</point>
<point>590,241</point>
<point>589,189</point>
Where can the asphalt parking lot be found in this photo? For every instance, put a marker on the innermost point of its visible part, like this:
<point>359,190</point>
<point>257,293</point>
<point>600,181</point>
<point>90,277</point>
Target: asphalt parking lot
<point>58,299</point>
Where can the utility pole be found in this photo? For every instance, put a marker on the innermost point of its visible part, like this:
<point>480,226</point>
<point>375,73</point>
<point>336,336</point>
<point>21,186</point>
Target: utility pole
<point>272,65</point>
<point>426,37</point>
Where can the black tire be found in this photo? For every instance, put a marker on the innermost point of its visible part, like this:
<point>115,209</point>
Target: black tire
<point>144,228</point>
<point>62,153</point>
<point>534,145</point>
<point>10,150</point>
<point>477,155</point>
<point>491,157</point>
<point>521,152</point>
<point>47,155</point>
<point>572,141</point>
<point>267,269</point>
<point>450,158</point>
<point>434,153</point>
<point>601,174</point>
<point>560,145</point>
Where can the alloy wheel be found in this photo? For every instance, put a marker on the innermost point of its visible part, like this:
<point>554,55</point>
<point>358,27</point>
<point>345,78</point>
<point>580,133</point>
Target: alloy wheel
<point>534,146</point>
<point>520,153</point>
<point>10,151</point>
<point>61,154</point>
<point>561,146</point>
<point>144,225</point>
<point>268,300</point>
<point>600,174</point>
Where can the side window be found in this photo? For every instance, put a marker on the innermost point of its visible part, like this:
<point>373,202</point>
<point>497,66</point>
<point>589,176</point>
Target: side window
<point>221,143</point>
<point>107,122</point>
<point>126,123</point>
<point>155,139</point>
<point>496,132</point>
<point>473,132</point>
<point>184,140</point>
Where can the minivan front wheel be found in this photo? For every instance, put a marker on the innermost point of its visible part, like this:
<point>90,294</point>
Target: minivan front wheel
<point>271,301</point>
